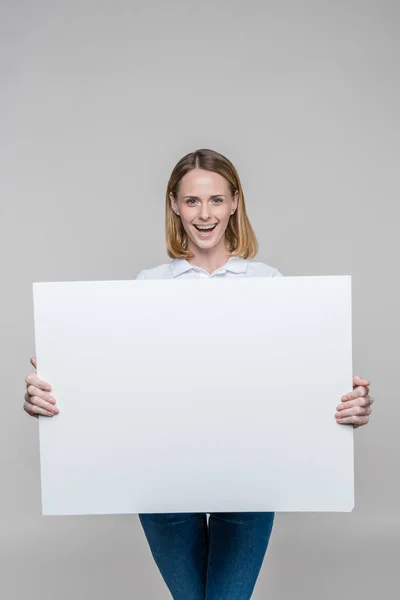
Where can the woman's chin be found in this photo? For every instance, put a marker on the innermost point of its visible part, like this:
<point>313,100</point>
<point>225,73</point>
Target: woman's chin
<point>205,244</point>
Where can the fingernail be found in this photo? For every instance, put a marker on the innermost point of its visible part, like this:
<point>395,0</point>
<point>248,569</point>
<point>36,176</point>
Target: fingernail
<point>51,399</point>
<point>55,410</point>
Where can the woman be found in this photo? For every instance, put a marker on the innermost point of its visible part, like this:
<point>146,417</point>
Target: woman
<point>208,234</point>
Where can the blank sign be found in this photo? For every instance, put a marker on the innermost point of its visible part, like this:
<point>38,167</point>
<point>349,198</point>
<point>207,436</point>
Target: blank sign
<point>195,395</point>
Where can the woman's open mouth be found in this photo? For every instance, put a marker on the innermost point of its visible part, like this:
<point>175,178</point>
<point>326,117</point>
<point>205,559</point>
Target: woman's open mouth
<point>205,230</point>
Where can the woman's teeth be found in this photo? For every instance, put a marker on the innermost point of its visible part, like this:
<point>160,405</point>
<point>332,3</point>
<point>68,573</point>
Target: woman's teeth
<point>205,228</point>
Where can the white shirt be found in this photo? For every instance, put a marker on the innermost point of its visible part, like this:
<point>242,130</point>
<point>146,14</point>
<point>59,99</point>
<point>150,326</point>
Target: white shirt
<point>234,267</point>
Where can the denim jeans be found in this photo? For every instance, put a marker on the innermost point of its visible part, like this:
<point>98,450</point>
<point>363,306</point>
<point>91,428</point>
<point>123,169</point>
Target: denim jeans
<point>218,561</point>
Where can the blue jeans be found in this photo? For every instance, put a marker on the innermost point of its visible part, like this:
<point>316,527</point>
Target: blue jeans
<point>220,561</point>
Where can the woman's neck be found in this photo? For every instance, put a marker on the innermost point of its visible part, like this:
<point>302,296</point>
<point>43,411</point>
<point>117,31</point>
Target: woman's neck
<point>209,260</point>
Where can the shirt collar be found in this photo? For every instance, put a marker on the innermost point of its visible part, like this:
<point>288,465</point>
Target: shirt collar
<point>235,264</point>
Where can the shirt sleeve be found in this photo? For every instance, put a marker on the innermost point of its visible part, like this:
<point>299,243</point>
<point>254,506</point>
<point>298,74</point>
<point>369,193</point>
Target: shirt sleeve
<point>141,275</point>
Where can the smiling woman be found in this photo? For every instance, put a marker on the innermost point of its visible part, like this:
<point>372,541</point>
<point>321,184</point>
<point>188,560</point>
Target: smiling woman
<point>205,210</point>
<point>204,216</point>
<point>208,234</point>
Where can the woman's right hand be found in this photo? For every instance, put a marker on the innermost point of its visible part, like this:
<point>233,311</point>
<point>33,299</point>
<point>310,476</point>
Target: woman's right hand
<point>38,400</point>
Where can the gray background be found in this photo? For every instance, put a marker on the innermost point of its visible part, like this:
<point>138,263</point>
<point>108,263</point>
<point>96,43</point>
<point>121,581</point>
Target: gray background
<point>98,102</point>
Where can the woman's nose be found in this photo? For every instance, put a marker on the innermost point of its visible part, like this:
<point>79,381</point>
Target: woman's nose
<point>204,211</point>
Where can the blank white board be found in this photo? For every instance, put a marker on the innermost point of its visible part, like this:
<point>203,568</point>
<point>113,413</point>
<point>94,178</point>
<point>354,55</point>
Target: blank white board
<point>198,395</point>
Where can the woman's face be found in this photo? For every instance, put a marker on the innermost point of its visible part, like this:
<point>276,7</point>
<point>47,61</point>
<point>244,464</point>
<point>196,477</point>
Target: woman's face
<point>205,205</point>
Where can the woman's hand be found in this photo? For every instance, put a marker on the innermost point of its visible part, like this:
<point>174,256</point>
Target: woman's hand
<point>355,407</point>
<point>38,400</point>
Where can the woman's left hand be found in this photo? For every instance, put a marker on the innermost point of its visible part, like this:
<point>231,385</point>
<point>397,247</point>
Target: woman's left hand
<point>355,407</point>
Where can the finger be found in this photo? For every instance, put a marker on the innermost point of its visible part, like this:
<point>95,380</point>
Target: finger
<point>35,411</point>
<point>360,381</point>
<point>364,387</point>
<point>362,401</point>
<point>33,362</point>
<point>33,392</point>
<point>355,420</point>
<point>359,411</point>
<point>33,379</point>
<point>357,393</point>
<point>37,401</point>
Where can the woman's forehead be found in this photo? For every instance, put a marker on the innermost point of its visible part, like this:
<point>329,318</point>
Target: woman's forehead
<point>200,180</point>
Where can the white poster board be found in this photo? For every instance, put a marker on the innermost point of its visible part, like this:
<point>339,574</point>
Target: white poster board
<point>198,395</point>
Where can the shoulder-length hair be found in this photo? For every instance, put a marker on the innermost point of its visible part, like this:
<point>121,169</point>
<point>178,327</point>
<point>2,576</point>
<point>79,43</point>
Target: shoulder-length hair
<point>240,237</point>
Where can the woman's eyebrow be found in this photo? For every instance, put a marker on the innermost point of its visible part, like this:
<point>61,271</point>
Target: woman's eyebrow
<point>213,196</point>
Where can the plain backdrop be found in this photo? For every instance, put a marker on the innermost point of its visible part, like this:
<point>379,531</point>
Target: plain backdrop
<point>98,101</point>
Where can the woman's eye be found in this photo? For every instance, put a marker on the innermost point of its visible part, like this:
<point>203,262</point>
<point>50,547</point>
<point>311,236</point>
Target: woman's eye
<point>192,201</point>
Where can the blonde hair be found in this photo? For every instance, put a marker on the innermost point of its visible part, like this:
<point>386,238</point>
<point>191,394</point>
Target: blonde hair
<point>240,238</point>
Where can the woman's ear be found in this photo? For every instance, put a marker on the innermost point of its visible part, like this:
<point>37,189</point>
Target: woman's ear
<point>235,202</point>
<point>174,204</point>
